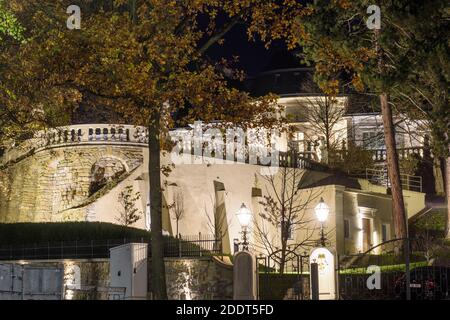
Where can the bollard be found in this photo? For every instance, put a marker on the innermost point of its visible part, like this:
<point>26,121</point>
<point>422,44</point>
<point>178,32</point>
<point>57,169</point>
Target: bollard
<point>314,281</point>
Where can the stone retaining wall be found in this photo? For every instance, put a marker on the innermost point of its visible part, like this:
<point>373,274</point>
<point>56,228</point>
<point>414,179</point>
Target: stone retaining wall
<point>43,186</point>
<point>198,279</point>
<point>187,278</point>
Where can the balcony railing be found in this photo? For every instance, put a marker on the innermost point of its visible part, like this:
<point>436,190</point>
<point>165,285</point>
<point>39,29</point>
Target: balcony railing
<point>79,134</point>
<point>380,155</point>
<point>381,177</point>
<point>297,160</point>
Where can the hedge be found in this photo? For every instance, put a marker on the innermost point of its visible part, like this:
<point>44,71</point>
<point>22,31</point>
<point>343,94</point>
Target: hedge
<point>26,233</point>
<point>274,286</point>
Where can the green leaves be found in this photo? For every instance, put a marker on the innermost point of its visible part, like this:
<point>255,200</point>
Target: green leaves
<point>9,26</point>
<point>408,58</point>
<point>129,214</point>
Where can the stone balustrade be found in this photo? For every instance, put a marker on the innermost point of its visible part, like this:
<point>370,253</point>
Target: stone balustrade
<point>379,155</point>
<point>78,134</point>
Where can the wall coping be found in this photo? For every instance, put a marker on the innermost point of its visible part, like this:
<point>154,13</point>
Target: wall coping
<point>53,261</point>
<point>78,135</point>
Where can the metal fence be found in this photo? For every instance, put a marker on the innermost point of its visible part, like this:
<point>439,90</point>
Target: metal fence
<point>389,259</point>
<point>287,282</point>
<point>192,246</point>
<point>381,177</point>
<point>185,246</point>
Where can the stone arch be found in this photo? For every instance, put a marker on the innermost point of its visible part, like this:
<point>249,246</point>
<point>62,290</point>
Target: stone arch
<point>105,169</point>
<point>115,157</point>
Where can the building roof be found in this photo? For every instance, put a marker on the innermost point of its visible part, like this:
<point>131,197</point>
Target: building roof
<point>339,179</point>
<point>284,82</point>
<point>361,103</point>
<point>299,81</point>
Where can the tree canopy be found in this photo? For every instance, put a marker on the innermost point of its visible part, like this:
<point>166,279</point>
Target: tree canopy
<point>146,60</point>
<point>407,58</point>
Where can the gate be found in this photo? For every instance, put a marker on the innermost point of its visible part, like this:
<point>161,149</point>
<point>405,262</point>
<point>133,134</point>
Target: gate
<point>24,282</point>
<point>283,282</point>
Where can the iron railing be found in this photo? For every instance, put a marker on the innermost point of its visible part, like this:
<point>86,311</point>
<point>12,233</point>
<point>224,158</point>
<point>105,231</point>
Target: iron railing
<point>290,283</point>
<point>381,177</point>
<point>396,270</point>
<point>186,246</point>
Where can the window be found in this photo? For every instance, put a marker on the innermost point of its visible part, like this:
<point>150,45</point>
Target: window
<point>384,232</point>
<point>298,136</point>
<point>400,140</point>
<point>346,229</point>
<point>287,227</point>
<point>373,140</point>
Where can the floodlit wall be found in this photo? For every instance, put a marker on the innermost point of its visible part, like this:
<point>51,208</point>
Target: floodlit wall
<point>198,279</point>
<point>82,182</point>
<point>48,185</point>
<point>414,201</point>
<point>77,279</point>
<point>128,269</point>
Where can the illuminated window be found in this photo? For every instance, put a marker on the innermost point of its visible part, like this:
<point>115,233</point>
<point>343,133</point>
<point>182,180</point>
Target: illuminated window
<point>298,136</point>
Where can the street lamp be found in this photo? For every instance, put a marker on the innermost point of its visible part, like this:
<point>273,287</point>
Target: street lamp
<point>244,216</point>
<point>322,211</point>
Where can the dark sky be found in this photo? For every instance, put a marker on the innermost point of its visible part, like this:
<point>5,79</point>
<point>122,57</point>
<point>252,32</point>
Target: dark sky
<point>254,57</point>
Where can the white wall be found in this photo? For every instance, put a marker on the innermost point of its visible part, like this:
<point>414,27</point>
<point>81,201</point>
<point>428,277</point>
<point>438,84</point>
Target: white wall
<point>196,183</point>
<point>128,269</point>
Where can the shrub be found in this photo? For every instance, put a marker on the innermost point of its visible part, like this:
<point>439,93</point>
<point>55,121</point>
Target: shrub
<point>25,233</point>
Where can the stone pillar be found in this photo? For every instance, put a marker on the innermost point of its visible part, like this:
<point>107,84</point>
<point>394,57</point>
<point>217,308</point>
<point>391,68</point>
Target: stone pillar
<point>245,276</point>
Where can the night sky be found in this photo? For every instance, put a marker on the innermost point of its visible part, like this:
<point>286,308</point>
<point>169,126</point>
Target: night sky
<point>254,57</point>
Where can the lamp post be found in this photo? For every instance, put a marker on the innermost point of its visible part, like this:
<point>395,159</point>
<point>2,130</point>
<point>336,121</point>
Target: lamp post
<point>244,216</point>
<point>322,210</point>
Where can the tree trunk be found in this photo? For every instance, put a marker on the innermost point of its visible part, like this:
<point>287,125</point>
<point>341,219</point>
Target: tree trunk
<point>439,175</point>
<point>158,275</point>
<point>328,129</point>
<point>283,243</point>
<point>400,219</point>
<point>447,192</point>
<point>283,257</point>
